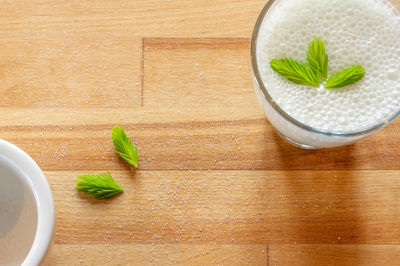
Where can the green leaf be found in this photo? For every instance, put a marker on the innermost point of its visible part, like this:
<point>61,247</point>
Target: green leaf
<point>299,73</point>
<point>124,147</point>
<point>100,186</point>
<point>317,58</point>
<point>316,67</point>
<point>346,77</point>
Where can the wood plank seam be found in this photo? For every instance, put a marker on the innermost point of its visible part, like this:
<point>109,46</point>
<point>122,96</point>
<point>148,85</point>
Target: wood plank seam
<point>142,75</point>
<point>191,43</point>
<point>144,126</point>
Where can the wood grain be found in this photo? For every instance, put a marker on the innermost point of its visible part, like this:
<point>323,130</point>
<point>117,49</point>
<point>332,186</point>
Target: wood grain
<point>70,69</point>
<point>191,73</point>
<point>334,255</point>
<point>194,139</point>
<point>171,254</point>
<point>215,184</point>
<point>159,18</point>
<point>235,207</point>
<point>202,120</point>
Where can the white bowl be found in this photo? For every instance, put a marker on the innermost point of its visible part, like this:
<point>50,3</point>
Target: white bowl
<point>26,209</point>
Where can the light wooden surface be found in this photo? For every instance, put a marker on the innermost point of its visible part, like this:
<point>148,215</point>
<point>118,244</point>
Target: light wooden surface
<point>215,185</point>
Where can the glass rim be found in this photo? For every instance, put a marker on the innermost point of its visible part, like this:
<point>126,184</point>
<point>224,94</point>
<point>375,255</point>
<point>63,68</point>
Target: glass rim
<point>275,106</point>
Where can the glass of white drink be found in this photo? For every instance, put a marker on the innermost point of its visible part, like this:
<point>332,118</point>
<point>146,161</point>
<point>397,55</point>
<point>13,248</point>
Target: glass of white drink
<point>354,32</point>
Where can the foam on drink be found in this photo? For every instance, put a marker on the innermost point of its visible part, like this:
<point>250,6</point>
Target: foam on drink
<point>364,32</point>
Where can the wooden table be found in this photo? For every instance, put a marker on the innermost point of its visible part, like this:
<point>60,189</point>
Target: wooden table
<point>215,185</point>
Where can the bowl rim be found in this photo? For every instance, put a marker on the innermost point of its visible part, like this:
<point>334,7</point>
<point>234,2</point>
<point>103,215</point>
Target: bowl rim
<point>44,200</point>
<point>275,106</point>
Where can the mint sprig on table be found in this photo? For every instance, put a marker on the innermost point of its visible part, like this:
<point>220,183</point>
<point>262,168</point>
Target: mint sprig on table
<point>100,186</point>
<point>309,73</point>
<point>124,147</point>
<point>103,186</point>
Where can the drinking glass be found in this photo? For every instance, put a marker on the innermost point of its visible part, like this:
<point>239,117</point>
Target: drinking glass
<point>292,130</point>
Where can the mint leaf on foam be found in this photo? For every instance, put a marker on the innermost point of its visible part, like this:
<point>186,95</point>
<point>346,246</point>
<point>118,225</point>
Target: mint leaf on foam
<point>317,58</point>
<point>297,72</point>
<point>345,77</point>
<point>316,68</point>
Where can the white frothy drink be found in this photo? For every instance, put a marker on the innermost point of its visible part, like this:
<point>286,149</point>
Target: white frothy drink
<point>355,32</point>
